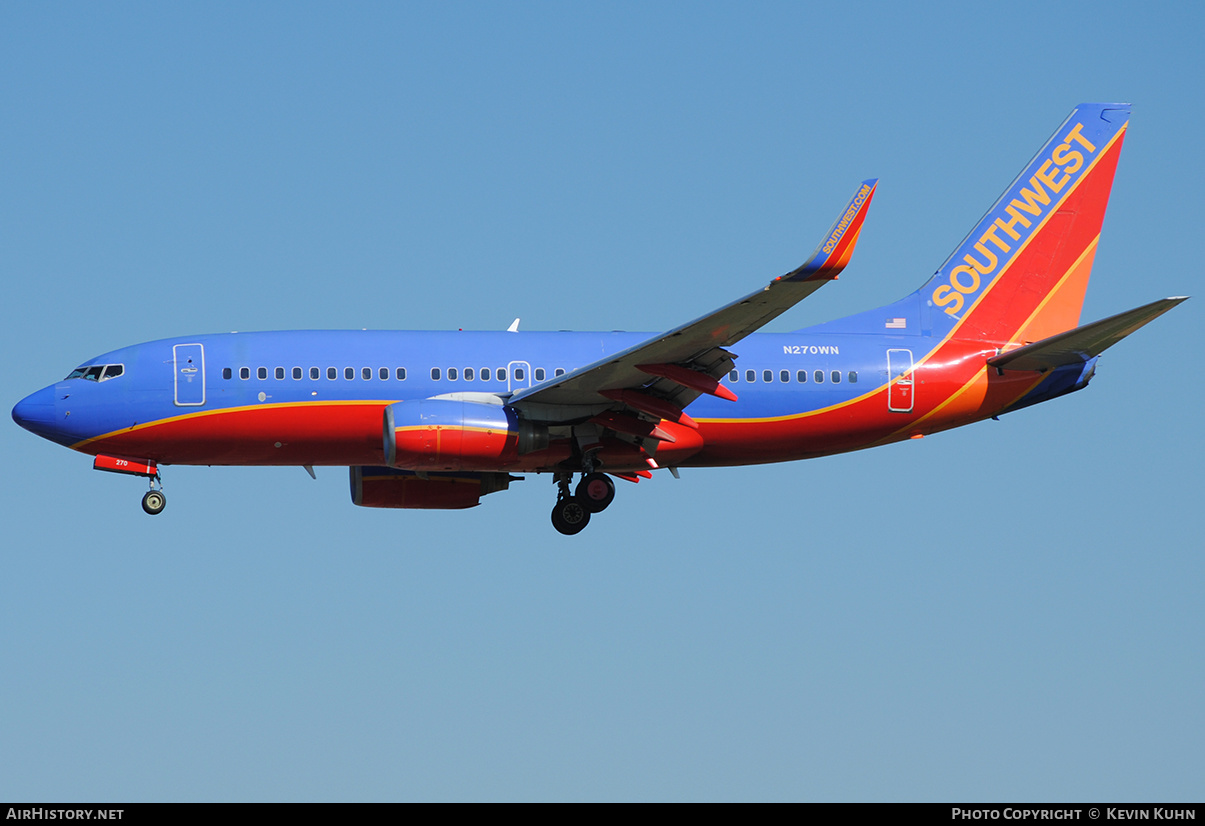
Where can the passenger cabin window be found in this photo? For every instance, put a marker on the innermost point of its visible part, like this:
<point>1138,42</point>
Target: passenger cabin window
<point>767,375</point>
<point>801,376</point>
<point>750,375</point>
<point>244,372</point>
<point>349,373</point>
<point>280,372</point>
<point>784,376</point>
<point>314,373</point>
<point>836,376</point>
<point>560,371</point>
<point>401,374</point>
<point>227,372</point>
<point>518,374</point>
<point>853,376</point>
<point>733,375</point>
<point>485,374</point>
<point>539,374</point>
<point>332,373</point>
<point>383,374</point>
<point>501,374</point>
<point>452,374</point>
<point>366,373</point>
<point>468,374</point>
<point>819,376</point>
<point>297,374</point>
<point>434,374</point>
<point>262,372</point>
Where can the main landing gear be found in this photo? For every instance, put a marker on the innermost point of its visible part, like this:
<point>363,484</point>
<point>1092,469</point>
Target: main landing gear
<point>572,510</point>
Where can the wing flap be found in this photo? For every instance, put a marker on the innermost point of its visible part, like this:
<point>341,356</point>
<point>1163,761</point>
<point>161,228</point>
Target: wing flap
<point>1083,343</point>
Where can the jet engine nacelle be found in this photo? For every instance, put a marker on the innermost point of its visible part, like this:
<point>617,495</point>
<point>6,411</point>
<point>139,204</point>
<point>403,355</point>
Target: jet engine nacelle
<point>441,434</point>
<point>382,487</point>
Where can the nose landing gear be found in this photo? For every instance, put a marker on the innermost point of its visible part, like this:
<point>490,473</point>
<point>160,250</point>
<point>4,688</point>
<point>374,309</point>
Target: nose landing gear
<point>154,502</point>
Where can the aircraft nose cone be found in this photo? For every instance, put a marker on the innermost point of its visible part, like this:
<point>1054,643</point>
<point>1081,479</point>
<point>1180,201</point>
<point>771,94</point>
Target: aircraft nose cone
<point>35,412</point>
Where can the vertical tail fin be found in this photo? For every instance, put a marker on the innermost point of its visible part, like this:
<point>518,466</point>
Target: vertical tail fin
<point>1020,275</point>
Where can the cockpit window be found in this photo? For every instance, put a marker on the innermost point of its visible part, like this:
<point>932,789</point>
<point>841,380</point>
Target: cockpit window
<point>96,372</point>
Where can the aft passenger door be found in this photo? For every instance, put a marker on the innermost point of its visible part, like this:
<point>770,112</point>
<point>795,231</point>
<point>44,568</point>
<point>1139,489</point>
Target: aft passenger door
<point>189,361</point>
<point>899,378</point>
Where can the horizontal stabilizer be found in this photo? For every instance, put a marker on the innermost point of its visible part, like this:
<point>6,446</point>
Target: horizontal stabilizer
<point>1083,343</point>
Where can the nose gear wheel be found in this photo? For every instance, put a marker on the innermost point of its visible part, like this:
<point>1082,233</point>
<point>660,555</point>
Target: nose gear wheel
<point>154,502</point>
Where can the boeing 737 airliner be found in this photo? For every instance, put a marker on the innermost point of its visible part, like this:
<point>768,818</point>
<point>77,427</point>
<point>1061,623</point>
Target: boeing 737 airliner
<point>438,420</point>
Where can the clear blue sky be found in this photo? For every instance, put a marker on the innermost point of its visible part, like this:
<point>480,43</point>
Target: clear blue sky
<point>1011,611</point>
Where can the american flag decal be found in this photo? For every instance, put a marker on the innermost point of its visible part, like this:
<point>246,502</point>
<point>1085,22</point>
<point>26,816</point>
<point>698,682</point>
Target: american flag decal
<point>896,323</point>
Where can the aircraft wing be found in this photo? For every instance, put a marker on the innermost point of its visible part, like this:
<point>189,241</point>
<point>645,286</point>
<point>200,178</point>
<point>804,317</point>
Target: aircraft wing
<point>1083,343</point>
<point>675,367</point>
